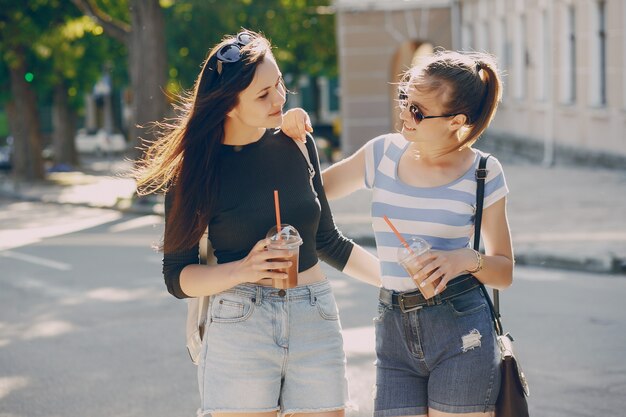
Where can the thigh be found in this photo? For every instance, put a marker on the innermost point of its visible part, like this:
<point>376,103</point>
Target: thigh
<point>466,377</point>
<point>401,377</point>
<point>336,413</point>
<point>315,372</point>
<point>240,368</point>
<point>270,414</point>
<point>436,413</point>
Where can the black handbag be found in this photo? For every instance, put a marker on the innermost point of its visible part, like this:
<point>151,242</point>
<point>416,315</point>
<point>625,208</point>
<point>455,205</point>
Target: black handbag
<point>513,387</point>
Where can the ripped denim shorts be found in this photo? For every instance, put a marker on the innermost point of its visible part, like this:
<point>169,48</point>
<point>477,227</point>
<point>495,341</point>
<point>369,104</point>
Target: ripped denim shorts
<point>443,357</point>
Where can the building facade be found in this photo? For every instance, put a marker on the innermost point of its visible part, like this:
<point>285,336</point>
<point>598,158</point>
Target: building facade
<point>377,40</point>
<point>563,65</point>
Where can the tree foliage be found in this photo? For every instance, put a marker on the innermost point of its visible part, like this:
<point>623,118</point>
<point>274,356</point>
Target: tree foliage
<point>61,45</point>
<point>302,32</point>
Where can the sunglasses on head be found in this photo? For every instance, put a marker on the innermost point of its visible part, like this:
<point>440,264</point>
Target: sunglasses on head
<point>416,113</point>
<point>231,52</point>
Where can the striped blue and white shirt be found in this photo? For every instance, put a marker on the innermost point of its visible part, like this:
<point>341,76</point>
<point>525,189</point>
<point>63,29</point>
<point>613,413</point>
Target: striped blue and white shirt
<point>443,216</point>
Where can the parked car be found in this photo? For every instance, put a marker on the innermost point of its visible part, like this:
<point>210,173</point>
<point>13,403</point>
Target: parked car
<point>99,142</point>
<point>6,154</point>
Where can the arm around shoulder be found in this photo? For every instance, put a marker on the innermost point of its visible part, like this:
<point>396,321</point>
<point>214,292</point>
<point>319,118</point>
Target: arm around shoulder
<point>346,176</point>
<point>363,266</point>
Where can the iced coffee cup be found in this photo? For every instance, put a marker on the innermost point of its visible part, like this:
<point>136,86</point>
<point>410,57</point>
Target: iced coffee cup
<point>407,257</point>
<point>288,242</point>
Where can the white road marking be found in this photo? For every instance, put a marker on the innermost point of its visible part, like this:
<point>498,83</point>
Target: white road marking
<point>13,238</point>
<point>143,221</point>
<point>61,266</point>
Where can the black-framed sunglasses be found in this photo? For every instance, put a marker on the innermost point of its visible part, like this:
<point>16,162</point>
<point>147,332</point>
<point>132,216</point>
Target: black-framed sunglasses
<point>416,113</point>
<point>231,52</point>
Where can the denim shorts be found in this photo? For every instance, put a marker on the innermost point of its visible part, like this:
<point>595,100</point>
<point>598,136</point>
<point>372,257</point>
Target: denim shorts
<point>443,357</point>
<point>273,350</point>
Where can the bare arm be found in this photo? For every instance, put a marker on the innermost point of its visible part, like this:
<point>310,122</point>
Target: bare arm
<point>346,176</point>
<point>342,178</point>
<point>200,280</point>
<point>363,266</point>
<point>497,269</point>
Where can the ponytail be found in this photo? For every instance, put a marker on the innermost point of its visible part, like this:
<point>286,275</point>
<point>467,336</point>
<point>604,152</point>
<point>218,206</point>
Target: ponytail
<point>491,96</point>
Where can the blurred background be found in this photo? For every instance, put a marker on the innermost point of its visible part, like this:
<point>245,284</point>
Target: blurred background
<point>78,77</point>
<point>86,326</point>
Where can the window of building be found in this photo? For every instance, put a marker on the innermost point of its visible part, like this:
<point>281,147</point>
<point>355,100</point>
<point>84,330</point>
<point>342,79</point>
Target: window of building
<point>467,40</point>
<point>519,58</point>
<point>500,49</point>
<point>598,61</point>
<point>568,56</point>
<point>542,56</point>
<point>482,36</point>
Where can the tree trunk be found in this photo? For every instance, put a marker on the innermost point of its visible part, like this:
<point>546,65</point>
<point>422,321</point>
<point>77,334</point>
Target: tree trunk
<point>148,68</point>
<point>63,124</point>
<point>147,61</point>
<point>24,124</point>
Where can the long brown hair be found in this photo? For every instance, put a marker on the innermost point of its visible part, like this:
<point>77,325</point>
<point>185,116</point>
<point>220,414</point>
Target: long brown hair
<point>183,161</point>
<point>469,83</point>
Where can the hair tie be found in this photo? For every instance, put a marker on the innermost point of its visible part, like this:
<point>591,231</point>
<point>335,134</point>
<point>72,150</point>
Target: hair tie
<point>479,66</point>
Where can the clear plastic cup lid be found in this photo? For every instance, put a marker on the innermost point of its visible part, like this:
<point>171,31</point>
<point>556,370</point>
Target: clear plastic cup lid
<point>418,246</point>
<point>288,235</point>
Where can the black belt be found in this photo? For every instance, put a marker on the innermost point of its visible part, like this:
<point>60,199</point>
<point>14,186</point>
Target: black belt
<point>414,300</point>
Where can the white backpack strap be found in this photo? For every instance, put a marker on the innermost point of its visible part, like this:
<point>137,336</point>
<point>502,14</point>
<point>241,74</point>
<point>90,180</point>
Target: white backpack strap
<point>305,153</point>
<point>198,307</point>
<point>206,249</point>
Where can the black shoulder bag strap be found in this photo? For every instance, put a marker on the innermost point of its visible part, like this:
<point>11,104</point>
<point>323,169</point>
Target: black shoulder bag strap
<point>481,176</point>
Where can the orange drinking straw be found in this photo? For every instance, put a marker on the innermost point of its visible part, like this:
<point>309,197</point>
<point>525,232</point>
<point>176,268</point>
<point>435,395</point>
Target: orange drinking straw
<point>398,235</point>
<point>277,208</point>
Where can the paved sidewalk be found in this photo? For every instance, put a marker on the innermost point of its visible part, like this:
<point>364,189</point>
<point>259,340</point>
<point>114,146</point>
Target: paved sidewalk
<point>562,217</point>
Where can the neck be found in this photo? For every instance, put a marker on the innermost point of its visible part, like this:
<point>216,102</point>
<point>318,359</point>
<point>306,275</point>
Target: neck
<point>435,156</point>
<point>435,152</point>
<point>240,134</point>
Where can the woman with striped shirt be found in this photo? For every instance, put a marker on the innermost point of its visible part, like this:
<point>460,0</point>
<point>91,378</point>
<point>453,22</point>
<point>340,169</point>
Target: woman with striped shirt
<point>436,357</point>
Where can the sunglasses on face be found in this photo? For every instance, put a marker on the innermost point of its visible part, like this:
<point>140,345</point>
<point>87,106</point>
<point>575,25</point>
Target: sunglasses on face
<point>416,113</point>
<point>231,52</point>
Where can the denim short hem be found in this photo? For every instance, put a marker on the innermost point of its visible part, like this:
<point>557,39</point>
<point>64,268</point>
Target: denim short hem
<point>397,412</point>
<point>203,413</point>
<point>311,410</point>
<point>461,409</point>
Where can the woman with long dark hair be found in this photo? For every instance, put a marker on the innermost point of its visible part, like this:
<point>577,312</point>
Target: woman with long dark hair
<point>266,350</point>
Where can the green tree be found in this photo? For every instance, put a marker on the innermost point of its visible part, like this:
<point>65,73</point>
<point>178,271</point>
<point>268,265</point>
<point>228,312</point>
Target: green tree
<point>53,55</point>
<point>142,31</point>
<point>303,33</point>
<point>76,54</point>
<point>19,25</point>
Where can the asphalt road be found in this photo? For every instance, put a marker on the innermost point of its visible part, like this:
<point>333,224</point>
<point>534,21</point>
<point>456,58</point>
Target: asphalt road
<point>88,329</point>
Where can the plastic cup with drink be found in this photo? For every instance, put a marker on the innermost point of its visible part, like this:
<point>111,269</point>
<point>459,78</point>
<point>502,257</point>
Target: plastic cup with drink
<point>408,254</point>
<point>407,257</point>
<point>285,239</point>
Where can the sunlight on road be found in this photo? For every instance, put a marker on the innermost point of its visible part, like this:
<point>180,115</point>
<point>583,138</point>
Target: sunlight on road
<point>10,384</point>
<point>45,329</point>
<point>136,223</point>
<point>118,295</point>
<point>35,224</point>
<point>359,340</point>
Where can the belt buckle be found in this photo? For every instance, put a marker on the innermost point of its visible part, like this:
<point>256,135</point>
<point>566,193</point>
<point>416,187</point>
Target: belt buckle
<point>406,309</point>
